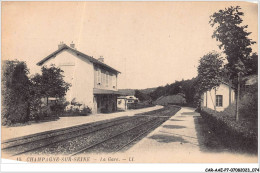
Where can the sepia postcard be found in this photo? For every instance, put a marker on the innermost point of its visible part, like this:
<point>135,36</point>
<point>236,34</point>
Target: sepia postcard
<point>130,82</point>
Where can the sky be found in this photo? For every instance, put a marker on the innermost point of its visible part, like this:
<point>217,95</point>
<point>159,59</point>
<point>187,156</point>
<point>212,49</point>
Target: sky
<point>151,43</point>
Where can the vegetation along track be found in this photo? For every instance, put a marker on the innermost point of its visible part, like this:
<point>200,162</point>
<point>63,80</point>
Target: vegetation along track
<point>109,136</point>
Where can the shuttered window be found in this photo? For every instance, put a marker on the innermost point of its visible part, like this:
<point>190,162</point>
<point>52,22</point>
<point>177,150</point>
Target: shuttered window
<point>107,79</point>
<point>114,81</point>
<point>98,76</point>
<point>110,80</point>
<point>102,77</point>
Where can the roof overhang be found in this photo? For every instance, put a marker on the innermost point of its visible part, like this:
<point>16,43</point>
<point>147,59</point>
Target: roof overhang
<point>102,91</point>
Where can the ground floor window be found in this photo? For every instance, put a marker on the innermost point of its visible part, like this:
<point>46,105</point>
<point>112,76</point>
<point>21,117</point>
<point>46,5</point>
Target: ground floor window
<point>219,100</point>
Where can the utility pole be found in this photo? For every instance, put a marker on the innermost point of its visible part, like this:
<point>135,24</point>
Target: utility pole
<point>215,105</point>
<point>238,97</point>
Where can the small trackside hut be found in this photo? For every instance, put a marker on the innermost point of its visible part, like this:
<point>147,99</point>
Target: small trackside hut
<point>221,97</point>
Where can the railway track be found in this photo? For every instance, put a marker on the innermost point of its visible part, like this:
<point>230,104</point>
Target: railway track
<point>110,136</point>
<point>121,140</point>
<point>56,132</point>
<point>125,139</point>
<point>36,141</point>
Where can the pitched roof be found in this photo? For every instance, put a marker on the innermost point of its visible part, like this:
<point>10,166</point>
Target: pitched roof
<point>91,59</point>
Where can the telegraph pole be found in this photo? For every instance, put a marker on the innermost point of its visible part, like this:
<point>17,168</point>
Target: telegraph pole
<point>238,96</point>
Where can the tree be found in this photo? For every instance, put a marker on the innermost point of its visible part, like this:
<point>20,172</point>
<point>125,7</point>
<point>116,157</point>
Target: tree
<point>189,89</point>
<point>50,83</point>
<point>141,96</point>
<point>209,73</point>
<point>234,40</point>
<point>186,87</point>
<point>252,64</point>
<point>21,95</point>
<point>158,92</point>
<point>15,92</point>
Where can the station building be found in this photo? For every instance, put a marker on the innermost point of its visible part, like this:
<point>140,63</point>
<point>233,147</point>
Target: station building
<point>93,83</point>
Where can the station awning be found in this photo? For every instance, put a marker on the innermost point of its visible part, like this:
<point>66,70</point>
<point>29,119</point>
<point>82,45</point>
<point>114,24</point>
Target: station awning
<point>102,91</point>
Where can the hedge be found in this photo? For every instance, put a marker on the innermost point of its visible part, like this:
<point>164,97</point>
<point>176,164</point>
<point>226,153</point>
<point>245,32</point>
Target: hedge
<point>138,105</point>
<point>234,133</point>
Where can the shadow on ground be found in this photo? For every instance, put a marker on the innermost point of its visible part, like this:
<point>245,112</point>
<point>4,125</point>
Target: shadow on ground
<point>175,120</point>
<point>187,113</point>
<point>173,127</point>
<point>210,142</point>
<point>168,138</point>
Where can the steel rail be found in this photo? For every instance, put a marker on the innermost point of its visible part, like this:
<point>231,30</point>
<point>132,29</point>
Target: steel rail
<point>82,127</point>
<point>39,147</point>
<point>56,131</point>
<point>100,142</point>
<point>141,134</point>
<point>93,145</point>
<point>64,133</point>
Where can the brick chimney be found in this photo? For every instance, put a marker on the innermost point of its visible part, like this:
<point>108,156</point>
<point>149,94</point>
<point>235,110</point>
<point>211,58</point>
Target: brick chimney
<point>72,45</point>
<point>60,45</point>
<point>101,59</point>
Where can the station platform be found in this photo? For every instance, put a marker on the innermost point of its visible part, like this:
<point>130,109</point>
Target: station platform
<point>19,131</point>
<point>184,138</point>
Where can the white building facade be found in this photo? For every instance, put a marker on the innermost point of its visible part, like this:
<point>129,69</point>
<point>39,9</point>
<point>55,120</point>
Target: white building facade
<point>93,83</point>
<point>222,97</point>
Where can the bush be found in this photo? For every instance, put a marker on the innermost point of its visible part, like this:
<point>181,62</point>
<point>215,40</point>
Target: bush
<point>86,111</point>
<point>35,109</point>
<point>58,108</point>
<point>14,113</point>
<point>248,107</point>
<point>242,133</point>
<point>43,113</point>
<point>74,111</point>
